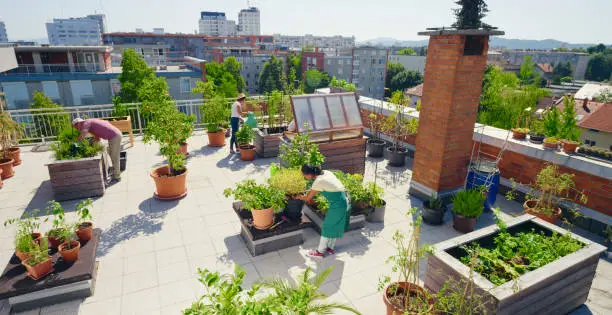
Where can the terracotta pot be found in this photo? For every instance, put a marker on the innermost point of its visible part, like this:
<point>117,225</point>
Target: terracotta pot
<point>463,224</point>
<point>36,237</point>
<point>247,152</point>
<point>518,135</point>
<point>216,139</point>
<point>169,187</point>
<point>406,286</point>
<point>6,165</point>
<point>530,205</point>
<point>15,154</point>
<point>551,145</point>
<point>84,231</point>
<point>183,150</point>
<point>21,255</point>
<point>569,146</point>
<point>53,242</point>
<point>40,270</point>
<point>70,255</point>
<point>263,219</point>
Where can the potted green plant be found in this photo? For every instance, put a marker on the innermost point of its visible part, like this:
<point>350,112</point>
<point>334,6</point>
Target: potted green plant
<point>569,131</point>
<point>519,133</point>
<point>434,210</point>
<point>468,205</point>
<point>398,125</point>
<point>551,143</point>
<point>292,182</point>
<point>59,225</point>
<point>522,121</point>
<point>185,129</point>
<point>299,152</point>
<point>405,295</point>
<point>69,248</point>
<point>39,263</point>
<point>215,112</point>
<point>244,137</point>
<point>262,200</point>
<point>8,128</point>
<point>376,203</point>
<point>536,131</point>
<point>84,226</point>
<point>26,234</point>
<point>374,144</point>
<point>552,128</point>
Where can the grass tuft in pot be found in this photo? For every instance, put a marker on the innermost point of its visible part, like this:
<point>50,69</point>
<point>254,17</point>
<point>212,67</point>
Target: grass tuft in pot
<point>468,205</point>
<point>292,183</point>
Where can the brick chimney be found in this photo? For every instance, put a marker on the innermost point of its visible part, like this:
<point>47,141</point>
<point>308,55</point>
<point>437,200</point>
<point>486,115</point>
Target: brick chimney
<point>454,70</point>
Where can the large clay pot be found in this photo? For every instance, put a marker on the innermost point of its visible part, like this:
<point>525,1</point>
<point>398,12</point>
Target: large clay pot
<point>397,156</point>
<point>216,139</point>
<point>262,219</point>
<point>569,146</point>
<point>377,215</point>
<point>15,154</point>
<point>40,270</point>
<point>183,150</point>
<point>6,165</point>
<point>169,187</point>
<point>530,205</point>
<point>84,231</point>
<point>375,147</point>
<point>405,286</point>
<point>247,152</point>
<point>70,255</point>
<point>463,224</point>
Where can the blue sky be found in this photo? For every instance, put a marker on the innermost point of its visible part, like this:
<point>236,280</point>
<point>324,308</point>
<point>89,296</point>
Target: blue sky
<point>586,21</point>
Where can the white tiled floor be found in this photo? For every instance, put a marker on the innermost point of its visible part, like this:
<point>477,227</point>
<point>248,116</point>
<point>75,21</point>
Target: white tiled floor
<point>151,250</point>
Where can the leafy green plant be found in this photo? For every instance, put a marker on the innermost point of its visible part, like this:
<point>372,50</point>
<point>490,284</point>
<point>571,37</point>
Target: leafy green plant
<point>50,119</point>
<point>349,87</point>
<point>39,252</point>
<point>303,296</point>
<point>66,236</point>
<point>59,224</point>
<point>244,135</point>
<point>300,151</point>
<point>551,140</point>
<point>552,122</point>
<point>10,133</point>
<point>406,264</point>
<point>257,197</point>
<point>68,148</point>
<point>83,212</point>
<point>568,129</point>
<point>26,226</point>
<point>398,124</point>
<point>321,203</point>
<point>215,112</point>
<point>521,130</point>
<point>469,203</point>
<point>434,203</point>
<point>536,127</point>
<point>289,180</point>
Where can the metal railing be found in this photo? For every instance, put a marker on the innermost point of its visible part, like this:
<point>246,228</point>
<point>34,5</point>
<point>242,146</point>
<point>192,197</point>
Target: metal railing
<point>52,69</point>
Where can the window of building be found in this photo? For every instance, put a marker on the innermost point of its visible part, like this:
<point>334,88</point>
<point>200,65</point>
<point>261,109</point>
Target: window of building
<point>185,85</point>
<point>593,130</point>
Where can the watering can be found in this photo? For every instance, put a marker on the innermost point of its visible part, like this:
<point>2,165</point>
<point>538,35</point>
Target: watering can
<point>251,121</point>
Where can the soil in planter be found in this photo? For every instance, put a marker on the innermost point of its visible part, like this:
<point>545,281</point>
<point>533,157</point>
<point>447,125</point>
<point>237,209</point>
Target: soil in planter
<point>399,297</point>
<point>274,130</point>
<point>288,226</point>
<point>168,175</point>
<point>534,251</point>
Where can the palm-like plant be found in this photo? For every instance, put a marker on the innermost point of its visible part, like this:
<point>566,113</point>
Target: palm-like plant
<point>303,296</point>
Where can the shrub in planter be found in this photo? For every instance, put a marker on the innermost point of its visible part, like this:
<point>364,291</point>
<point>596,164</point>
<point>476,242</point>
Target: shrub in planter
<point>215,112</point>
<point>570,146</point>
<point>433,211</point>
<point>398,125</point>
<point>26,234</point>
<point>404,295</point>
<point>468,205</point>
<point>520,133</point>
<point>375,145</point>
<point>262,200</point>
<point>84,226</point>
<point>569,131</point>
<point>68,147</point>
<point>536,131</point>
<point>39,263</point>
<point>244,137</point>
<point>551,143</point>
<point>377,206</point>
<point>292,182</point>
<point>299,152</point>
<point>10,133</point>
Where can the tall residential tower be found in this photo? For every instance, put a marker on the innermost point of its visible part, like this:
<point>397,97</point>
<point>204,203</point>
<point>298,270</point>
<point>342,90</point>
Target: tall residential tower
<point>216,24</point>
<point>3,36</point>
<point>82,31</point>
<point>248,22</point>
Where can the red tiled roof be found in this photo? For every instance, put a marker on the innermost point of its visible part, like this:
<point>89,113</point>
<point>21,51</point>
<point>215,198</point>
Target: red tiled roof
<point>417,90</point>
<point>545,67</point>
<point>581,110</point>
<point>600,119</point>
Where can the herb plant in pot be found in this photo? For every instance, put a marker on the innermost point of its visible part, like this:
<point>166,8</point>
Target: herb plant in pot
<point>398,125</point>
<point>10,133</point>
<point>375,145</point>
<point>299,152</point>
<point>536,131</point>
<point>377,205</point>
<point>39,263</point>
<point>569,131</point>
<point>262,200</point>
<point>84,226</point>
<point>244,137</point>
<point>405,295</point>
<point>59,225</point>
<point>291,181</point>
<point>468,205</point>
<point>433,211</point>
<point>520,132</point>
<point>551,143</point>
<point>69,249</point>
<point>215,113</point>
<point>26,234</point>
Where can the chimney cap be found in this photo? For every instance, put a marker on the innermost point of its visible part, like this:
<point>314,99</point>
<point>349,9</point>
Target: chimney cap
<point>454,31</point>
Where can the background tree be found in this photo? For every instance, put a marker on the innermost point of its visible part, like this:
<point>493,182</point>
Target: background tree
<point>315,79</point>
<point>562,70</point>
<point>407,51</point>
<point>527,74</point>
<point>599,67</point>
<point>223,79</point>
<point>601,48</point>
<point>233,67</point>
<point>568,129</point>
<point>399,79</point>
<point>294,62</point>
<point>605,96</point>
<point>271,76</point>
<point>53,118</point>
<point>134,70</point>
<point>470,14</point>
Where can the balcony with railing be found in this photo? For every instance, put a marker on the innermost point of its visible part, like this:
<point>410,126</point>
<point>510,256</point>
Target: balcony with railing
<point>55,68</point>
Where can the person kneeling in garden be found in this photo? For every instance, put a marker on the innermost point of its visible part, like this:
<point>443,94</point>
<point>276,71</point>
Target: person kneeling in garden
<point>102,129</point>
<point>336,220</point>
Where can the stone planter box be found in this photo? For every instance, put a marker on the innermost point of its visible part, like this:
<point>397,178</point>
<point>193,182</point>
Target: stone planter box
<point>124,124</point>
<point>356,222</point>
<point>259,242</point>
<point>556,288</point>
<point>267,145</point>
<point>76,179</point>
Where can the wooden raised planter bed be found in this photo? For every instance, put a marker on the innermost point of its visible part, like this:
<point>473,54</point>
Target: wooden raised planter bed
<point>268,145</point>
<point>124,124</point>
<point>75,179</point>
<point>556,288</point>
<point>346,155</point>
<point>67,281</point>
<point>356,222</point>
<point>259,242</point>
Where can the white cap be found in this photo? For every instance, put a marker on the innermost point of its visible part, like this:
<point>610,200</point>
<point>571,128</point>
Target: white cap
<point>77,120</point>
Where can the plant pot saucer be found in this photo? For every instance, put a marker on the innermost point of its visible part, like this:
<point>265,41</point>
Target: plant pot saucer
<point>41,276</point>
<point>170,198</point>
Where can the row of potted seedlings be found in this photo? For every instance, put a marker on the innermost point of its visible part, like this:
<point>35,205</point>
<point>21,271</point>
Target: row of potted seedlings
<point>32,248</point>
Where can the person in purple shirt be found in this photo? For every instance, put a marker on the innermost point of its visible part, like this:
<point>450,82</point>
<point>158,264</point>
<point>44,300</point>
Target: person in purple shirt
<point>102,129</point>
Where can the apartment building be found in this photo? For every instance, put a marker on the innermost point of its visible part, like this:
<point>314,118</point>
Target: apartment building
<point>413,63</point>
<point>3,35</point>
<point>578,60</point>
<point>82,31</point>
<point>369,71</point>
<point>331,45</point>
<point>80,75</point>
<point>339,67</point>
<point>216,24</point>
<point>249,22</point>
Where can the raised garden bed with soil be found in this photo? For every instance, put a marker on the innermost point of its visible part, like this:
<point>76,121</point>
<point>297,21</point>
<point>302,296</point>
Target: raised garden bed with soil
<point>66,282</point>
<point>555,288</point>
<point>357,219</point>
<point>268,145</point>
<point>76,179</point>
<point>283,235</point>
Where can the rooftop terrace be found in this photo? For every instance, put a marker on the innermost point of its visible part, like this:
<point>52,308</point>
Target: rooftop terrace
<point>150,250</point>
